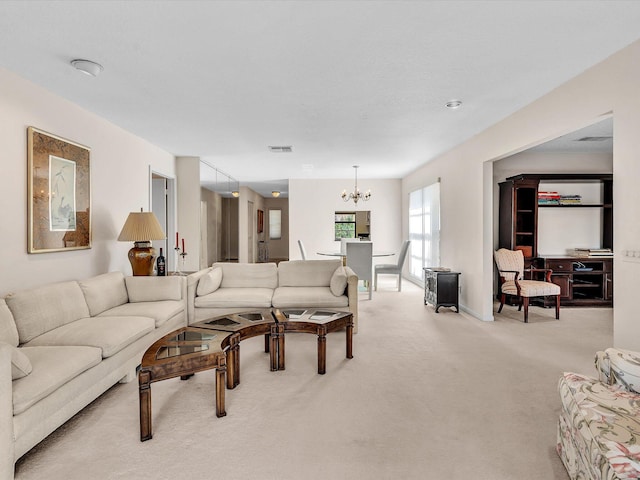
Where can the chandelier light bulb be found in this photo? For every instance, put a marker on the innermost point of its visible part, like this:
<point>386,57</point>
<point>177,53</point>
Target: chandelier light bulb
<point>356,195</point>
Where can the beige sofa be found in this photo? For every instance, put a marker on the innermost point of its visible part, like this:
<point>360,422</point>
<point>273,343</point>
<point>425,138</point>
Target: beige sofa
<point>234,287</point>
<point>64,344</point>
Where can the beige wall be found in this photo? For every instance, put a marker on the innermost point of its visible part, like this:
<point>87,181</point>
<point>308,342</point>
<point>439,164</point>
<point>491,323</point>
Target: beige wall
<point>312,204</point>
<point>467,181</point>
<point>247,195</point>
<point>120,183</point>
<point>213,249</point>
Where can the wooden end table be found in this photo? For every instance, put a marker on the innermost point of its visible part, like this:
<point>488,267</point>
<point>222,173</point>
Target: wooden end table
<point>242,326</point>
<point>182,353</point>
<point>315,320</point>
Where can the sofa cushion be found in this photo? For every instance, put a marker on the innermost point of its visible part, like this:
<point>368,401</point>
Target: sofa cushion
<point>45,308</point>
<point>161,312</point>
<point>210,282</point>
<point>153,289</point>
<point>236,297</point>
<point>111,334</point>
<point>248,275</point>
<point>20,364</point>
<point>287,297</point>
<point>338,281</point>
<point>307,273</point>
<point>8,330</point>
<point>103,292</point>
<point>52,368</point>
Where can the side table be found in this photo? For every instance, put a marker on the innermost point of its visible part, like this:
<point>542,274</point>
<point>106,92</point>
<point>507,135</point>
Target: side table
<point>441,288</point>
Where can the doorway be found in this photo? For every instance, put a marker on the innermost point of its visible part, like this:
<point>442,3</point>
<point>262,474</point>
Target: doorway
<point>163,205</point>
<point>250,228</point>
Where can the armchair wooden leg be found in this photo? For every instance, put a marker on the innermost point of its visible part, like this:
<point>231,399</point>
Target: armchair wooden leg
<point>503,297</point>
<point>525,301</point>
<point>557,307</point>
<point>519,304</point>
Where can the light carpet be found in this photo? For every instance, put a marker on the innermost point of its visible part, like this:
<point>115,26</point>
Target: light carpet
<point>426,396</point>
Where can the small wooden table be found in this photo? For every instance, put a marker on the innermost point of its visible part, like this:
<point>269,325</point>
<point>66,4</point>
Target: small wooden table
<point>315,320</point>
<point>242,326</point>
<point>182,353</point>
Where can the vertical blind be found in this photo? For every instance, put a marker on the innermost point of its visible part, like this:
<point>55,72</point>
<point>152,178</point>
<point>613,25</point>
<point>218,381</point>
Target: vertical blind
<point>424,229</point>
<point>275,224</point>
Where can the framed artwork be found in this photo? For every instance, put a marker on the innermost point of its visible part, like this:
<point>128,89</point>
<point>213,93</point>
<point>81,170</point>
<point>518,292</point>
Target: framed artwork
<point>59,193</point>
<point>260,221</point>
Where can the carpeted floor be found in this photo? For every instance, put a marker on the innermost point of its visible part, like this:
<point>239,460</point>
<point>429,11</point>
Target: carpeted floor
<point>426,396</point>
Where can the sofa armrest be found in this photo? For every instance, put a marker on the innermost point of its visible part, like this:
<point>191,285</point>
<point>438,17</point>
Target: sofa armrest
<point>619,367</point>
<point>192,286</point>
<point>352,294</point>
<point>6,413</point>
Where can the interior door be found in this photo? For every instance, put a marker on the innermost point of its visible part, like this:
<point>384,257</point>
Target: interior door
<point>251,228</point>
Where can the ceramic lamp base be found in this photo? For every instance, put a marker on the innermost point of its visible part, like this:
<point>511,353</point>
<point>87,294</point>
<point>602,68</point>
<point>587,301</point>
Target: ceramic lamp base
<point>142,257</point>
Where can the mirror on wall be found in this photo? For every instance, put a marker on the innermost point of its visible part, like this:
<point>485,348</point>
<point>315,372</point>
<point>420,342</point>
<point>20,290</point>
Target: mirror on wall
<point>350,224</point>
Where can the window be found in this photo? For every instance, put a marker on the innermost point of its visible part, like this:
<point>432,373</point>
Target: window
<point>424,229</point>
<point>275,224</point>
<point>345,225</point>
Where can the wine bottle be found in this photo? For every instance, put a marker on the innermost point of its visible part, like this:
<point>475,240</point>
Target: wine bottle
<point>161,265</point>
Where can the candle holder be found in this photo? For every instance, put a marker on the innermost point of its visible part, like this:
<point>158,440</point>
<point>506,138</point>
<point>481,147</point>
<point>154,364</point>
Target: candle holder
<point>178,255</point>
<point>183,256</point>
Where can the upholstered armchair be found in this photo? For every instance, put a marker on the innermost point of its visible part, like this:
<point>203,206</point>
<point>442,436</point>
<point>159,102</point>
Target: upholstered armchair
<point>510,265</point>
<point>599,423</point>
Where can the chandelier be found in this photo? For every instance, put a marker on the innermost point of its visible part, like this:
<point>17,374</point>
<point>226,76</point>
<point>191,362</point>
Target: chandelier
<point>356,194</point>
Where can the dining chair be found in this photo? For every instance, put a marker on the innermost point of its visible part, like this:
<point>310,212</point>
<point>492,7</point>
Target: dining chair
<point>510,265</point>
<point>303,252</point>
<point>393,268</point>
<point>360,260</point>
<point>343,244</point>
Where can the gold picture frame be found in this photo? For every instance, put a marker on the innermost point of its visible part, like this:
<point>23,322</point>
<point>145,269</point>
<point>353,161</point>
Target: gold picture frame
<point>59,193</point>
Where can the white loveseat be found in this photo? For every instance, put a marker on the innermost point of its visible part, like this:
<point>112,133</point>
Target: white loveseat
<point>64,344</point>
<point>233,287</point>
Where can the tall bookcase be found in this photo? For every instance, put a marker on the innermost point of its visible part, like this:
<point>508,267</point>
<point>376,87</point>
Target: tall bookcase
<point>518,216</point>
<point>583,281</point>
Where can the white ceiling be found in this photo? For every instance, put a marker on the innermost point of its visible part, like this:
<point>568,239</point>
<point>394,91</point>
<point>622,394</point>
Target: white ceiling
<point>343,82</point>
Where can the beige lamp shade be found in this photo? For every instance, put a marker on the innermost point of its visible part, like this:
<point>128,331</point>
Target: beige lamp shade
<point>141,227</point>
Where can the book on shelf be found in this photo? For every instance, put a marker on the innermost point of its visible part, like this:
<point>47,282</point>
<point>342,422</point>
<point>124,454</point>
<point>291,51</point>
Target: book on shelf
<point>593,252</point>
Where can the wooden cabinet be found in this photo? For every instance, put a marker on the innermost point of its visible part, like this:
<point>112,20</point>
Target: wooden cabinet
<point>518,218</point>
<point>582,281</point>
<point>441,288</point>
<point>518,227</point>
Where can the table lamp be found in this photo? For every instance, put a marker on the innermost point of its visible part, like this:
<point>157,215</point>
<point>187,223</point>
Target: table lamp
<point>141,227</point>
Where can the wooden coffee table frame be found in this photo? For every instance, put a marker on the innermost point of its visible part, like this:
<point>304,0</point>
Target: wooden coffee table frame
<point>306,322</point>
<point>223,354</point>
<point>154,370</point>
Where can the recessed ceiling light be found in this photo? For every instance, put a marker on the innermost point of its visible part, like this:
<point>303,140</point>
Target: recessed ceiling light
<point>453,104</point>
<point>87,67</point>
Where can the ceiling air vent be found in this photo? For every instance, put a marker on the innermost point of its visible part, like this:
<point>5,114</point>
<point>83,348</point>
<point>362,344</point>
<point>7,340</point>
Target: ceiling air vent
<point>280,148</point>
<point>593,139</point>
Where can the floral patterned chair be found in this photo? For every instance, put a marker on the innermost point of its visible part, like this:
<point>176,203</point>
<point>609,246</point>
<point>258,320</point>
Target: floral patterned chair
<point>599,424</point>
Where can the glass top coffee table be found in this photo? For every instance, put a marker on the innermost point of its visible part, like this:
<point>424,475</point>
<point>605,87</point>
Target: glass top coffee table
<point>241,326</point>
<point>315,320</point>
<point>182,353</point>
